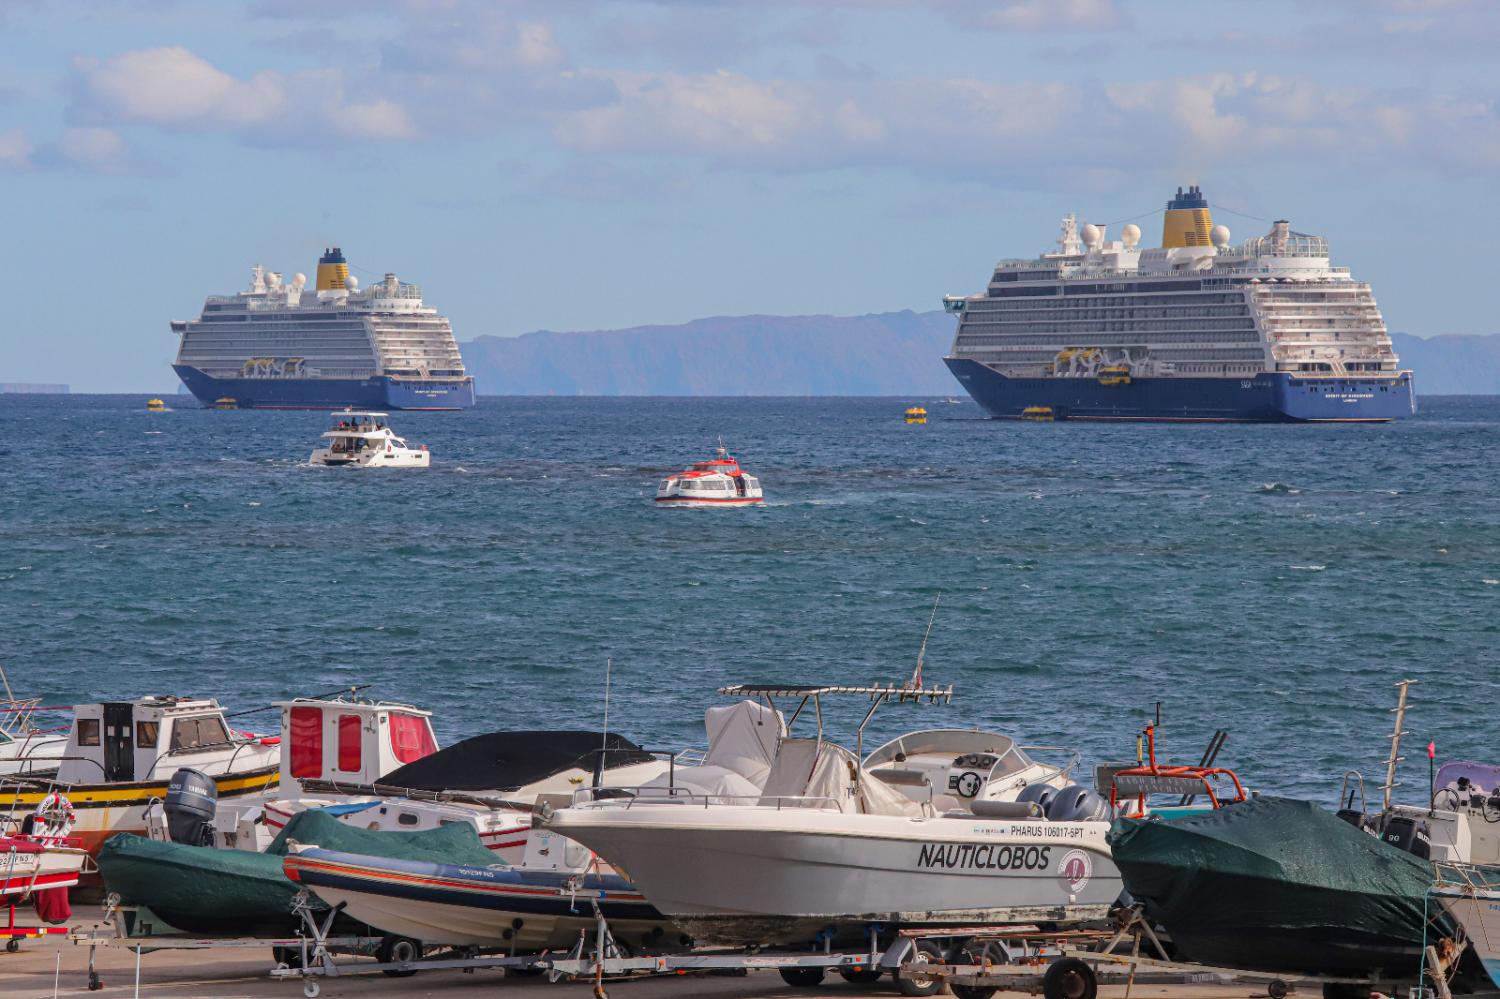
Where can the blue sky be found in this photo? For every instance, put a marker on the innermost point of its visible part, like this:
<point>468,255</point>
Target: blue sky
<point>572,165</point>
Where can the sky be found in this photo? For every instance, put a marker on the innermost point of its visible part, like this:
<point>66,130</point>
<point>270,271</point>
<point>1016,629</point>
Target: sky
<point>575,165</point>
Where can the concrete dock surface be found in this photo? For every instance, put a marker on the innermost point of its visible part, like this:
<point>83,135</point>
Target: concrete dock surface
<point>234,972</point>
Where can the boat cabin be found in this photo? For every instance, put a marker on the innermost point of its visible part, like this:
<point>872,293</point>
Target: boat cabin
<point>149,738</point>
<point>353,742</point>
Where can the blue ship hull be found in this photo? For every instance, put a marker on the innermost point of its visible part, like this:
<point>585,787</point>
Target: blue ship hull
<point>375,392</point>
<point>1275,397</point>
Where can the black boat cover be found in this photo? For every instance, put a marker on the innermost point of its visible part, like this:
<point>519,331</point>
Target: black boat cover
<point>1277,884</point>
<point>504,761</point>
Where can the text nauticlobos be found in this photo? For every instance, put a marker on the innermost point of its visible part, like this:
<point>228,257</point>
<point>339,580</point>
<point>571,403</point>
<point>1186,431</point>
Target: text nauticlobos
<point>984,856</point>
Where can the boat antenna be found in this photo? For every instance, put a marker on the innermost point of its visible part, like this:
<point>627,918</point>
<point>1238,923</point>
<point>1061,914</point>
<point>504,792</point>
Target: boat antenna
<point>6,680</point>
<point>609,663</point>
<point>916,677</point>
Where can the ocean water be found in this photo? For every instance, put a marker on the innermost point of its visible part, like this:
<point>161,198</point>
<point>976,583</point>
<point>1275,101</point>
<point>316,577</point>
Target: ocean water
<point>1275,581</point>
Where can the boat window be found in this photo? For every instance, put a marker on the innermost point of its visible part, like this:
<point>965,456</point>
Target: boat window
<point>88,731</point>
<point>307,742</point>
<point>146,733</point>
<point>195,733</point>
<point>407,819</point>
<point>349,743</point>
<point>411,738</point>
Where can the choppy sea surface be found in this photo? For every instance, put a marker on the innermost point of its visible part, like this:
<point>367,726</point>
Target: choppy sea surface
<point>1275,581</point>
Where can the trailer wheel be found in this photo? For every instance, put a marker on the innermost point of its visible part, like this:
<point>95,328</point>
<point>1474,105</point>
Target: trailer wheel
<point>13,945</point>
<point>311,988</point>
<point>1277,989</point>
<point>398,950</point>
<point>979,953</point>
<point>863,976</point>
<point>802,978</point>
<point>287,957</point>
<point>1070,978</point>
<point>913,982</point>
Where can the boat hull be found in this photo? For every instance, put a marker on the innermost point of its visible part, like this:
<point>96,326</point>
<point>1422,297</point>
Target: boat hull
<point>1281,886</point>
<point>1269,397</point>
<point>1478,912</point>
<point>477,906</point>
<point>23,871</point>
<point>199,889</point>
<point>739,875</point>
<point>373,392</point>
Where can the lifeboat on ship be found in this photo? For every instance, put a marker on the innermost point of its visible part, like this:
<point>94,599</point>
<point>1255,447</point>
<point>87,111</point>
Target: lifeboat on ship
<point>717,482</point>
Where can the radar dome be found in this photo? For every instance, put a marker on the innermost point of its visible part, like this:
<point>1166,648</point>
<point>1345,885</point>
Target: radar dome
<point>351,282</point>
<point>299,279</point>
<point>1219,235</point>
<point>1131,234</point>
<point>1092,235</point>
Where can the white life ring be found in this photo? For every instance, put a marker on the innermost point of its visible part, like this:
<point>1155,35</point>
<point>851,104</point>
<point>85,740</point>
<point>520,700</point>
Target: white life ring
<point>54,816</point>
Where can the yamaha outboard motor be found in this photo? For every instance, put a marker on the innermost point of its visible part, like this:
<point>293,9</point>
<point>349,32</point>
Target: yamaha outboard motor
<point>1076,803</point>
<point>1041,794</point>
<point>191,800</point>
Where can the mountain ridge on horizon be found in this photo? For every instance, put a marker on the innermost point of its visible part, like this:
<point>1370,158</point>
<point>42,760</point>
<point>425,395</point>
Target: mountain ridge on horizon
<point>882,353</point>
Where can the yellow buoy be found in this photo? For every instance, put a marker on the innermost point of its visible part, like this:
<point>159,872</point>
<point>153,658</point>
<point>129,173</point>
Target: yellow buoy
<point>916,414</point>
<point>155,405</point>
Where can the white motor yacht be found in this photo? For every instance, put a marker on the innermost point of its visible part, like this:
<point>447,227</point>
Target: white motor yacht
<point>366,440</point>
<point>828,844</point>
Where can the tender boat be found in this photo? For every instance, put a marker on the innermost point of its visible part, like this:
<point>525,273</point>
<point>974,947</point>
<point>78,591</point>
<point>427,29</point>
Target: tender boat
<point>494,905</point>
<point>829,846</point>
<point>214,891</point>
<point>120,756</point>
<point>717,482</point>
<point>365,440</point>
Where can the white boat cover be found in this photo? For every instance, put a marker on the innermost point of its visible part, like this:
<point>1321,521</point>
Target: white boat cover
<point>743,737</point>
<point>821,774</point>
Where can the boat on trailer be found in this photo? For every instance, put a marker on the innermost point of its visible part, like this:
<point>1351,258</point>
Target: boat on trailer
<point>830,849</point>
<point>121,755</point>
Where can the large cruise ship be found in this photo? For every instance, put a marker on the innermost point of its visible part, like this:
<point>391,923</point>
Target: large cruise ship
<point>274,346</point>
<point>1196,329</point>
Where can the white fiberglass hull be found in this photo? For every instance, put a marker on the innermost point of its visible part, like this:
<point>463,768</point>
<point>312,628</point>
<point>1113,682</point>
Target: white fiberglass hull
<point>24,873</point>
<point>750,874</point>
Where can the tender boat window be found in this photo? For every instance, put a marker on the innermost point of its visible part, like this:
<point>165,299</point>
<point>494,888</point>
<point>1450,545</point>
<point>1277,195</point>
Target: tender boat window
<point>194,733</point>
<point>88,731</point>
<point>146,733</point>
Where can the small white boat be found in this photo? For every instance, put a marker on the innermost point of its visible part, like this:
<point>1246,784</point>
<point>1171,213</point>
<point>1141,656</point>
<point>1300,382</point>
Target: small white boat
<point>717,482</point>
<point>367,441</point>
<point>25,749</point>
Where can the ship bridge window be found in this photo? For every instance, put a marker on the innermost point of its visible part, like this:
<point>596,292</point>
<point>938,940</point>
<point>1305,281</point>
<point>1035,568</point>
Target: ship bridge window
<point>88,731</point>
<point>146,733</point>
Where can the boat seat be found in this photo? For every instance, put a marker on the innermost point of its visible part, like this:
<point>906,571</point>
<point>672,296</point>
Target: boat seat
<point>901,778</point>
<point>796,759</point>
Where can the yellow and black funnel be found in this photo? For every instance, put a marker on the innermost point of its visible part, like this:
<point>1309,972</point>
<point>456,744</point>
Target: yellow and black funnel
<point>333,270</point>
<point>1186,223</point>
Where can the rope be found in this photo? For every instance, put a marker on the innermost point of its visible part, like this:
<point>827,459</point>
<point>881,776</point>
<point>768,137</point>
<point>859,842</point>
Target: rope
<point>1231,211</point>
<point>1136,218</point>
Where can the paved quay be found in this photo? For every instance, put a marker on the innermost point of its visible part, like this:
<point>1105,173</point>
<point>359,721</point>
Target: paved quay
<point>230,973</point>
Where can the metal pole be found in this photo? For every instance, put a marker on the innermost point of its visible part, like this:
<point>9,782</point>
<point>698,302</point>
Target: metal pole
<point>1396,733</point>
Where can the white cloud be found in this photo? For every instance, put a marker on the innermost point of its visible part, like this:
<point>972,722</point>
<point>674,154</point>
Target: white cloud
<point>177,89</point>
<point>1038,15</point>
<point>98,150</point>
<point>15,150</point>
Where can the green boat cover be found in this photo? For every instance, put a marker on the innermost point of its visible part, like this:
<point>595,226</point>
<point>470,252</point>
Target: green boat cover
<point>1276,883</point>
<point>212,891</point>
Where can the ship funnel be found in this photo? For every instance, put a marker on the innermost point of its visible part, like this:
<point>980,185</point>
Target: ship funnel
<point>333,270</point>
<point>1187,222</point>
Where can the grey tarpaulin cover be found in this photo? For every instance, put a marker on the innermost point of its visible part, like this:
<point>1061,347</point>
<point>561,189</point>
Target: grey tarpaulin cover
<point>1278,885</point>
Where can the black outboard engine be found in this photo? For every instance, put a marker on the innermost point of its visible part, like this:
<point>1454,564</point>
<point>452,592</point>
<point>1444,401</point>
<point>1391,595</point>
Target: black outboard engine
<point>1405,833</point>
<point>192,798</point>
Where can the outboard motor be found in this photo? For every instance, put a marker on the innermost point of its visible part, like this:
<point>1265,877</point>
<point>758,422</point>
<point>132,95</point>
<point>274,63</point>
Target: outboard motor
<point>1040,794</point>
<point>1353,816</point>
<point>192,798</point>
<point>1405,833</point>
<point>1076,803</point>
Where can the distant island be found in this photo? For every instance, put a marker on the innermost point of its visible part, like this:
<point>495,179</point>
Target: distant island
<point>887,353</point>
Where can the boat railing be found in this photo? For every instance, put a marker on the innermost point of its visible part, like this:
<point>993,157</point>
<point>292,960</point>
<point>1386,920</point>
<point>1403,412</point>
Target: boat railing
<point>630,797</point>
<point>1151,777</point>
<point>1054,770</point>
<point>1452,877</point>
